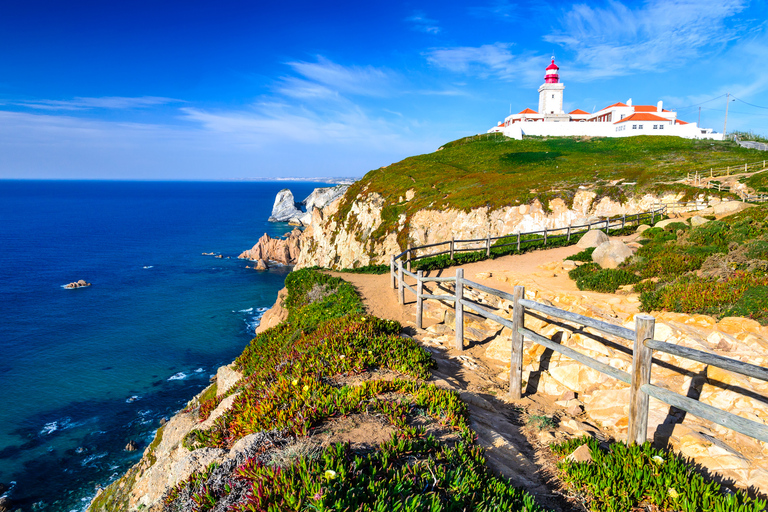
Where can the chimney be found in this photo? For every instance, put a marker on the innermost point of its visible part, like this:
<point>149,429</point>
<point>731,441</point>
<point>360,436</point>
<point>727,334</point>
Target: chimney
<point>629,102</point>
<point>658,106</point>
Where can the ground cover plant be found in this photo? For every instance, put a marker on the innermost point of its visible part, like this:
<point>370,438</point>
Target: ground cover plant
<point>496,172</point>
<point>295,384</point>
<point>623,478</point>
<point>719,268</point>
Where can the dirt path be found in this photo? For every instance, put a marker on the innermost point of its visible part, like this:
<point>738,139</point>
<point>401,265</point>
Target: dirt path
<point>513,447</point>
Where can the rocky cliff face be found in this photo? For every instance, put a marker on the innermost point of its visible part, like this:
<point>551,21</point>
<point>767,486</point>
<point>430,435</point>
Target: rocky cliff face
<point>358,240</point>
<point>284,208</point>
<point>281,250</point>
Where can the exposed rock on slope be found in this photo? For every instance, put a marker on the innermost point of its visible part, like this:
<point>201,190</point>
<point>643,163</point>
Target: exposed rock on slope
<point>284,208</point>
<point>360,235</point>
<point>282,250</point>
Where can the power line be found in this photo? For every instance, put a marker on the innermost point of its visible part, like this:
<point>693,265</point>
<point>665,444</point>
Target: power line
<point>703,102</point>
<point>751,105</point>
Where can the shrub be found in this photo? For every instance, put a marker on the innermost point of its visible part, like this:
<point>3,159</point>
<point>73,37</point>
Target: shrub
<point>624,478</point>
<point>591,277</point>
<point>585,255</point>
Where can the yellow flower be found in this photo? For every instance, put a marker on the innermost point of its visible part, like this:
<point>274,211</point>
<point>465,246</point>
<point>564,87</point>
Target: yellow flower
<point>657,459</point>
<point>672,493</point>
<point>306,387</point>
<point>295,382</point>
<point>330,474</point>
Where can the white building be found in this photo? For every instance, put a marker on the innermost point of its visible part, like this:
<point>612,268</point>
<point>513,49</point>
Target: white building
<point>617,120</point>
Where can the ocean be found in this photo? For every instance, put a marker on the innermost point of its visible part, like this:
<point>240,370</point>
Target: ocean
<point>85,371</point>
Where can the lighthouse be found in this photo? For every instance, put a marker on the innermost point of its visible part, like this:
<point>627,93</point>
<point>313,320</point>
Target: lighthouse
<point>551,95</point>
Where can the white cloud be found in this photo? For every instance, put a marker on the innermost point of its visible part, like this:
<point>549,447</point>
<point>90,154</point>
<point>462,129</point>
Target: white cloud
<point>109,102</point>
<point>324,79</point>
<point>495,60</point>
<point>617,40</point>
<point>421,23</point>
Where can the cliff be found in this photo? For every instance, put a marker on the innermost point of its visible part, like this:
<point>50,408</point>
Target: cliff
<point>281,250</point>
<point>362,234</point>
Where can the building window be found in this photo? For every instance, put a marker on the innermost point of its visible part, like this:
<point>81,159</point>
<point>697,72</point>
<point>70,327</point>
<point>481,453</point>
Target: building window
<point>639,127</point>
<point>634,127</point>
<point>661,127</point>
<point>553,96</point>
<point>655,126</point>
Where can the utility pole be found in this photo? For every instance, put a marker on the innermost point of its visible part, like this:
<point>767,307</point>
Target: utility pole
<point>727,101</point>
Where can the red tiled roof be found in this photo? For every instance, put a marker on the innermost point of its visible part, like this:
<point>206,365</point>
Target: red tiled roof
<point>677,121</point>
<point>579,112</point>
<point>528,111</point>
<point>645,108</point>
<point>642,116</point>
<point>619,104</point>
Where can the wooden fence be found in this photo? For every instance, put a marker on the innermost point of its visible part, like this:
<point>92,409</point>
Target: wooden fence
<point>546,235</point>
<point>639,376</point>
<point>728,170</point>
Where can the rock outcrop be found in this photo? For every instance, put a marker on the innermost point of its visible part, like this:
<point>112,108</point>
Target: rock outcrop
<point>592,238</point>
<point>359,238</point>
<point>321,197</point>
<point>284,208</point>
<point>77,284</point>
<point>281,250</point>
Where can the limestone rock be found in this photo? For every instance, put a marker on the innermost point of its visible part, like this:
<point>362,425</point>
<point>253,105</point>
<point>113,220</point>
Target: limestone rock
<point>666,222</point>
<point>642,227</point>
<point>580,454</point>
<point>592,238</point>
<point>698,220</point>
<point>282,250</point>
<point>611,254</point>
<point>320,197</point>
<point>226,377</point>
<point>77,284</point>
<point>729,207</point>
<point>275,314</point>
<point>284,208</point>
<point>261,265</point>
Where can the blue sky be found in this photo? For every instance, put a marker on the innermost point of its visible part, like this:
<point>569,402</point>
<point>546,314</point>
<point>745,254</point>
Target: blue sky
<point>238,89</point>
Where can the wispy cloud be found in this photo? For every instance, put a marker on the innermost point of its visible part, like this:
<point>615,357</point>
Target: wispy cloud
<point>421,23</point>
<point>495,60</point>
<point>616,40</point>
<point>499,10</point>
<point>325,78</point>
<point>109,102</point>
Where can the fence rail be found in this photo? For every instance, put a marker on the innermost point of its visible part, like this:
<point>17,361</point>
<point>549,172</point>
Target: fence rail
<point>639,376</point>
<point>412,254</point>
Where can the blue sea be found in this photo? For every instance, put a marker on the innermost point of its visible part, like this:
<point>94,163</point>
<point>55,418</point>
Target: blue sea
<point>85,371</point>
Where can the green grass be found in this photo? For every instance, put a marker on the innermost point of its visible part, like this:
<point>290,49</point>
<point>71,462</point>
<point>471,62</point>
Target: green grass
<point>718,269</point>
<point>623,479</point>
<point>496,172</point>
<point>758,181</point>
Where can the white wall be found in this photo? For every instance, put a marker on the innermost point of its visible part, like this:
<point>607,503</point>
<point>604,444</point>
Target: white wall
<point>688,131</point>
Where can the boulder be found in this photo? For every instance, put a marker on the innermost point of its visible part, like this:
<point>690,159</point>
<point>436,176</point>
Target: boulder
<point>284,208</point>
<point>261,265</point>
<point>592,238</point>
<point>728,207</point>
<point>226,377</point>
<point>132,446</point>
<point>698,220</point>
<point>580,454</point>
<point>77,284</point>
<point>611,254</point>
<point>664,223</point>
<point>642,227</point>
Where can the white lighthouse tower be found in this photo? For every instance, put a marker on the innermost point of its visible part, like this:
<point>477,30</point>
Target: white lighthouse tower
<point>551,96</point>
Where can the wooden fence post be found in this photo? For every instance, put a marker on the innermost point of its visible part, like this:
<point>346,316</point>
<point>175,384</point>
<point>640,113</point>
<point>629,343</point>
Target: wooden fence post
<point>518,241</point>
<point>488,246</point>
<point>653,216</point>
<point>711,172</point>
<point>607,225</point>
<point>453,246</point>
<point>516,357</point>
<point>392,272</point>
<point>408,255</point>
<point>545,235</point>
<point>569,232</point>
<point>459,309</point>
<point>400,283</point>
<point>419,298</point>
<point>745,167</point>
<point>623,220</point>
<point>641,375</point>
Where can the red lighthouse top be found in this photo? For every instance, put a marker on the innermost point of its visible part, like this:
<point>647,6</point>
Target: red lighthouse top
<point>551,76</point>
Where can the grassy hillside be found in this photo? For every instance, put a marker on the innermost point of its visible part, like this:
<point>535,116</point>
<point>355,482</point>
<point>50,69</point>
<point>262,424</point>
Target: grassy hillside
<point>498,172</point>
